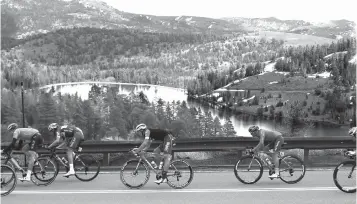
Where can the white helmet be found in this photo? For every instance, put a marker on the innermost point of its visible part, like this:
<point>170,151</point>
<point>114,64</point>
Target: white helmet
<point>52,126</point>
<point>353,131</point>
<point>12,126</point>
<point>141,126</point>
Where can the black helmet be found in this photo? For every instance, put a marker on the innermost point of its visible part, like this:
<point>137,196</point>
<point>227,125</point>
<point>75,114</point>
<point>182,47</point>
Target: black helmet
<point>253,128</point>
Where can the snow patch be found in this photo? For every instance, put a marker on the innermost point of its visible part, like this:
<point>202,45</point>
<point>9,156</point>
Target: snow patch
<point>322,75</point>
<point>80,15</point>
<point>178,18</point>
<point>273,82</point>
<point>284,73</point>
<point>353,60</point>
<point>215,94</point>
<point>189,19</point>
<point>210,26</point>
<point>246,100</point>
<point>335,53</point>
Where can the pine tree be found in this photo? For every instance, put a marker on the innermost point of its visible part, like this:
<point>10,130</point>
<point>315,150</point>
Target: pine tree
<point>47,113</point>
<point>169,114</point>
<point>228,128</point>
<point>217,127</point>
<point>208,125</point>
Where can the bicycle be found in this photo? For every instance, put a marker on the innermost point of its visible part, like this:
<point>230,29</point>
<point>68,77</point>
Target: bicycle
<point>248,159</point>
<point>352,165</point>
<point>142,161</point>
<point>80,162</point>
<point>39,171</point>
<point>6,170</point>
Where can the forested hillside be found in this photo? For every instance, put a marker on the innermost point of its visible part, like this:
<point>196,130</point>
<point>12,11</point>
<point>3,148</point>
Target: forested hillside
<point>107,114</point>
<point>127,55</point>
<point>317,80</point>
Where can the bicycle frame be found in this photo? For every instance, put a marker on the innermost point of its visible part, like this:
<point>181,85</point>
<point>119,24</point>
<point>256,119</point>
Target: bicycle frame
<point>144,159</point>
<point>8,159</point>
<point>54,155</point>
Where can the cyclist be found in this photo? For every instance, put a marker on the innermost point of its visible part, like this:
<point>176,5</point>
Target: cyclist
<point>165,148</point>
<point>69,136</point>
<point>275,140</point>
<point>20,135</point>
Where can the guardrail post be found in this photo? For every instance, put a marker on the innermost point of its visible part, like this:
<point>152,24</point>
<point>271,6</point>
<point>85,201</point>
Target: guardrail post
<point>106,159</point>
<point>306,156</point>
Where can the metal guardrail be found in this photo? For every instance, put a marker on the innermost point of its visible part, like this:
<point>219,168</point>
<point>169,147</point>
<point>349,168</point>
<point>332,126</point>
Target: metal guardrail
<point>216,144</point>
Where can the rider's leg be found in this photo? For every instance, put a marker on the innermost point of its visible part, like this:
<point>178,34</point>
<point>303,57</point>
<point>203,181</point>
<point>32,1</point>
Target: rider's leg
<point>167,158</point>
<point>29,152</point>
<point>276,151</point>
<point>157,151</point>
<point>73,144</point>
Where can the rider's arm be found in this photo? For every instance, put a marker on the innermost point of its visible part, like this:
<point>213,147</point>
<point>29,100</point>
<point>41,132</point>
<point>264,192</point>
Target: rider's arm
<point>57,141</point>
<point>261,142</point>
<point>146,143</point>
<point>14,139</point>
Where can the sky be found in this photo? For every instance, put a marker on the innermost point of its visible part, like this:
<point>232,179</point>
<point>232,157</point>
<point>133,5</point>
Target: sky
<point>310,10</point>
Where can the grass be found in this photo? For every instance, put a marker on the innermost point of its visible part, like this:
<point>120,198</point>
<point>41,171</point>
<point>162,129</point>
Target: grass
<point>296,39</point>
<point>295,83</point>
<point>296,88</point>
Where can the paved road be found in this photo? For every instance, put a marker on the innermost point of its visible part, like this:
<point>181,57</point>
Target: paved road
<point>207,187</point>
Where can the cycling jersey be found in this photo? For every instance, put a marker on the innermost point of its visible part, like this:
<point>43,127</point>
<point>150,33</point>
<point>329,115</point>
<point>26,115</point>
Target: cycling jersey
<point>25,134</point>
<point>158,134</point>
<point>72,136</point>
<point>272,139</point>
<point>32,136</point>
<point>269,135</point>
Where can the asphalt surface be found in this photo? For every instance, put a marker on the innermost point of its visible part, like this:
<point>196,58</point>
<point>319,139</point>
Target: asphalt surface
<point>207,187</point>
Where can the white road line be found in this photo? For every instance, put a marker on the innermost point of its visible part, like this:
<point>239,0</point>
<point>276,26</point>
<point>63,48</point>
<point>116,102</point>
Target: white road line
<point>175,191</point>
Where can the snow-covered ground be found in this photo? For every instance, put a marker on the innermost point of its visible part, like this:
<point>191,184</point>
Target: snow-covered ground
<point>353,60</point>
<point>248,99</point>
<point>330,55</point>
<point>322,75</point>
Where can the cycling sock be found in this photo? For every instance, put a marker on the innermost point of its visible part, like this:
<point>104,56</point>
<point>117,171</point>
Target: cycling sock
<point>71,167</point>
<point>277,171</point>
<point>28,173</point>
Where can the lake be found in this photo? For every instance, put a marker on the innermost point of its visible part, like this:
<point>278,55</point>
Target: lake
<point>154,92</point>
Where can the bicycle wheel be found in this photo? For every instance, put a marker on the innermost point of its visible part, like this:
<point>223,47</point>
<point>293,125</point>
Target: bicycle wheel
<point>7,174</point>
<point>177,171</point>
<point>45,171</point>
<point>86,165</point>
<point>248,164</point>
<point>291,165</point>
<point>133,169</point>
<point>345,170</point>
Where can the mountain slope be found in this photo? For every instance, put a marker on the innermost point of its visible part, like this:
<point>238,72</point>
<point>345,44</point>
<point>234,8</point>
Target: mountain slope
<point>332,29</point>
<point>41,16</point>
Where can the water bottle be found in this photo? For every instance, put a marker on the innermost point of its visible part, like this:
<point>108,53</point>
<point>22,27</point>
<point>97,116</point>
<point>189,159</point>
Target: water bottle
<point>268,161</point>
<point>161,163</point>
<point>154,164</point>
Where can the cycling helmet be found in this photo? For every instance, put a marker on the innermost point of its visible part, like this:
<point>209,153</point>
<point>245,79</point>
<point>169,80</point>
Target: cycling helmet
<point>12,126</point>
<point>141,126</point>
<point>52,126</point>
<point>253,128</point>
<point>353,131</point>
